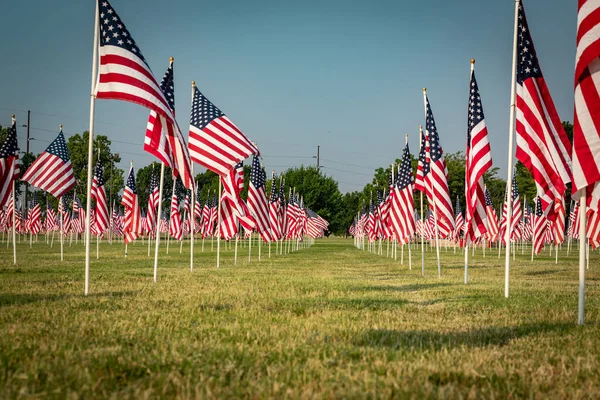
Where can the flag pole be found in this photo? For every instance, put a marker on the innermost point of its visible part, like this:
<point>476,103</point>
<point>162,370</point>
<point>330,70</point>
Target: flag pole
<point>193,202</point>
<point>62,234</point>
<point>14,224</point>
<point>219,226</point>
<point>511,134</point>
<point>158,218</point>
<point>90,152</point>
<point>582,255</point>
<point>435,208</point>
<point>422,215</point>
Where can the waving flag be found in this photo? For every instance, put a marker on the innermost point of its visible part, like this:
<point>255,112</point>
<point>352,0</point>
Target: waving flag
<point>274,204</point>
<point>542,144</point>
<point>492,218</point>
<point>52,170</point>
<point>422,164</point>
<point>163,137</point>
<point>9,163</point>
<point>153,198</point>
<point>233,182</point>
<point>175,228</point>
<point>257,200</point>
<point>132,224</point>
<point>459,221</point>
<point>99,194</point>
<point>539,227</point>
<point>215,142</point>
<point>478,161</point>
<point>401,213</point>
<point>35,215</point>
<point>436,176</point>
<point>558,225</point>
<point>586,126</point>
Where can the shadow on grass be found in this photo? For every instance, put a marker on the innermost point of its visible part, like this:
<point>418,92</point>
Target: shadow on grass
<point>309,306</point>
<point>405,288</point>
<point>8,299</point>
<point>544,272</point>
<point>431,340</point>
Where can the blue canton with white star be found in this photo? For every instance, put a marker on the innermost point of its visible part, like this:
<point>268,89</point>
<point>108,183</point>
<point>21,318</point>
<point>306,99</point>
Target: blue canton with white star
<point>203,111</point>
<point>131,181</point>
<point>404,177</point>
<point>528,65</point>
<point>168,87</point>
<point>10,147</point>
<point>99,174</point>
<point>475,107</point>
<point>114,33</point>
<point>257,174</point>
<point>59,148</point>
<point>435,150</point>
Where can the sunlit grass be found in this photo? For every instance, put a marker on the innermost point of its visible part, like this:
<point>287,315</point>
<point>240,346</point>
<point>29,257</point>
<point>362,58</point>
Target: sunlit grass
<point>329,321</point>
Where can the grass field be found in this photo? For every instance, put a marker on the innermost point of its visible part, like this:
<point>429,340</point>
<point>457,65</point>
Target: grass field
<point>329,321</point>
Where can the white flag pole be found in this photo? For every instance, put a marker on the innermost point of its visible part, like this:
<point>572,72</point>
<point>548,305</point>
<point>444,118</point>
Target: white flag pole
<point>193,204</point>
<point>582,255</point>
<point>437,230</point>
<point>14,224</point>
<point>219,226</point>
<point>422,215</point>
<point>511,135</point>
<point>90,152</point>
<point>158,218</point>
<point>62,234</point>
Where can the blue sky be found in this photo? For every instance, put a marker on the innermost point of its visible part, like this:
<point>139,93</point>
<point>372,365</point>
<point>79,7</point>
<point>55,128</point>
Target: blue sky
<point>291,74</point>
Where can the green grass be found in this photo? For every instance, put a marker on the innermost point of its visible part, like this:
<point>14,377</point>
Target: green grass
<point>325,322</point>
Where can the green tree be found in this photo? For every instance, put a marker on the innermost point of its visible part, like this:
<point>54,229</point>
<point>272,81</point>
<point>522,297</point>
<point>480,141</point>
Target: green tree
<point>113,176</point>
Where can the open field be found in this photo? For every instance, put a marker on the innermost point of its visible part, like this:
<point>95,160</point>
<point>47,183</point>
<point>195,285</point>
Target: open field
<point>325,322</point>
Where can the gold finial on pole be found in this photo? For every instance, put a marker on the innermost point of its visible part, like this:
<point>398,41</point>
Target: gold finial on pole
<point>171,59</point>
<point>60,126</point>
<point>424,90</point>
<point>193,83</point>
<point>472,61</point>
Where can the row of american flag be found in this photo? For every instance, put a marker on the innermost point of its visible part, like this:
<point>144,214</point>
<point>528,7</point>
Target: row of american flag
<point>527,224</point>
<point>542,146</point>
<point>281,218</point>
<point>215,143</point>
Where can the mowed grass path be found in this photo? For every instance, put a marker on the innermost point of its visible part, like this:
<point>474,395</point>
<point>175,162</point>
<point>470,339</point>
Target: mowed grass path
<point>330,321</point>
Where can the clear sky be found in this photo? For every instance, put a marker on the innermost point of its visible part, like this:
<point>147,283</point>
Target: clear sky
<point>345,75</point>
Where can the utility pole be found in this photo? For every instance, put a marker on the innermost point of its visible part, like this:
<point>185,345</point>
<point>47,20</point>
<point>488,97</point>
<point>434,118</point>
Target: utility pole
<point>318,155</point>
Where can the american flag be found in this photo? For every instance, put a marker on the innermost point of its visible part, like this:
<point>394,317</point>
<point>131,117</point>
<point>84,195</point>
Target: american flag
<point>233,184</point>
<point>153,198</point>
<point>527,222</point>
<point>125,75</point>
<point>558,225</point>
<point>163,137</point>
<point>206,214</point>
<point>291,216</point>
<point>574,221</point>
<point>9,164</point>
<point>78,222</point>
<point>63,210</point>
<point>229,222</point>
<point>401,213</point>
<point>371,223</point>
<point>274,221</point>
<point>459,221</point>
<point>117,222</point>
<point>257,200</point>
<point>542,144</point>
<point>282,209</point>
<point>132,224</point>
<point>52,170</point>
<point>99,194</point>
<point>35,215</point>
<point>422,164</point>
<point>50,222</point>
<point>215,142</point>
<point>175,224</point>
<point>586,126</point>
<point>436,176</point>
<point>478,161</point>
<point>197,211</point>
<point>515,232</point>
<point>492,218</point>
<point>593,228</point>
